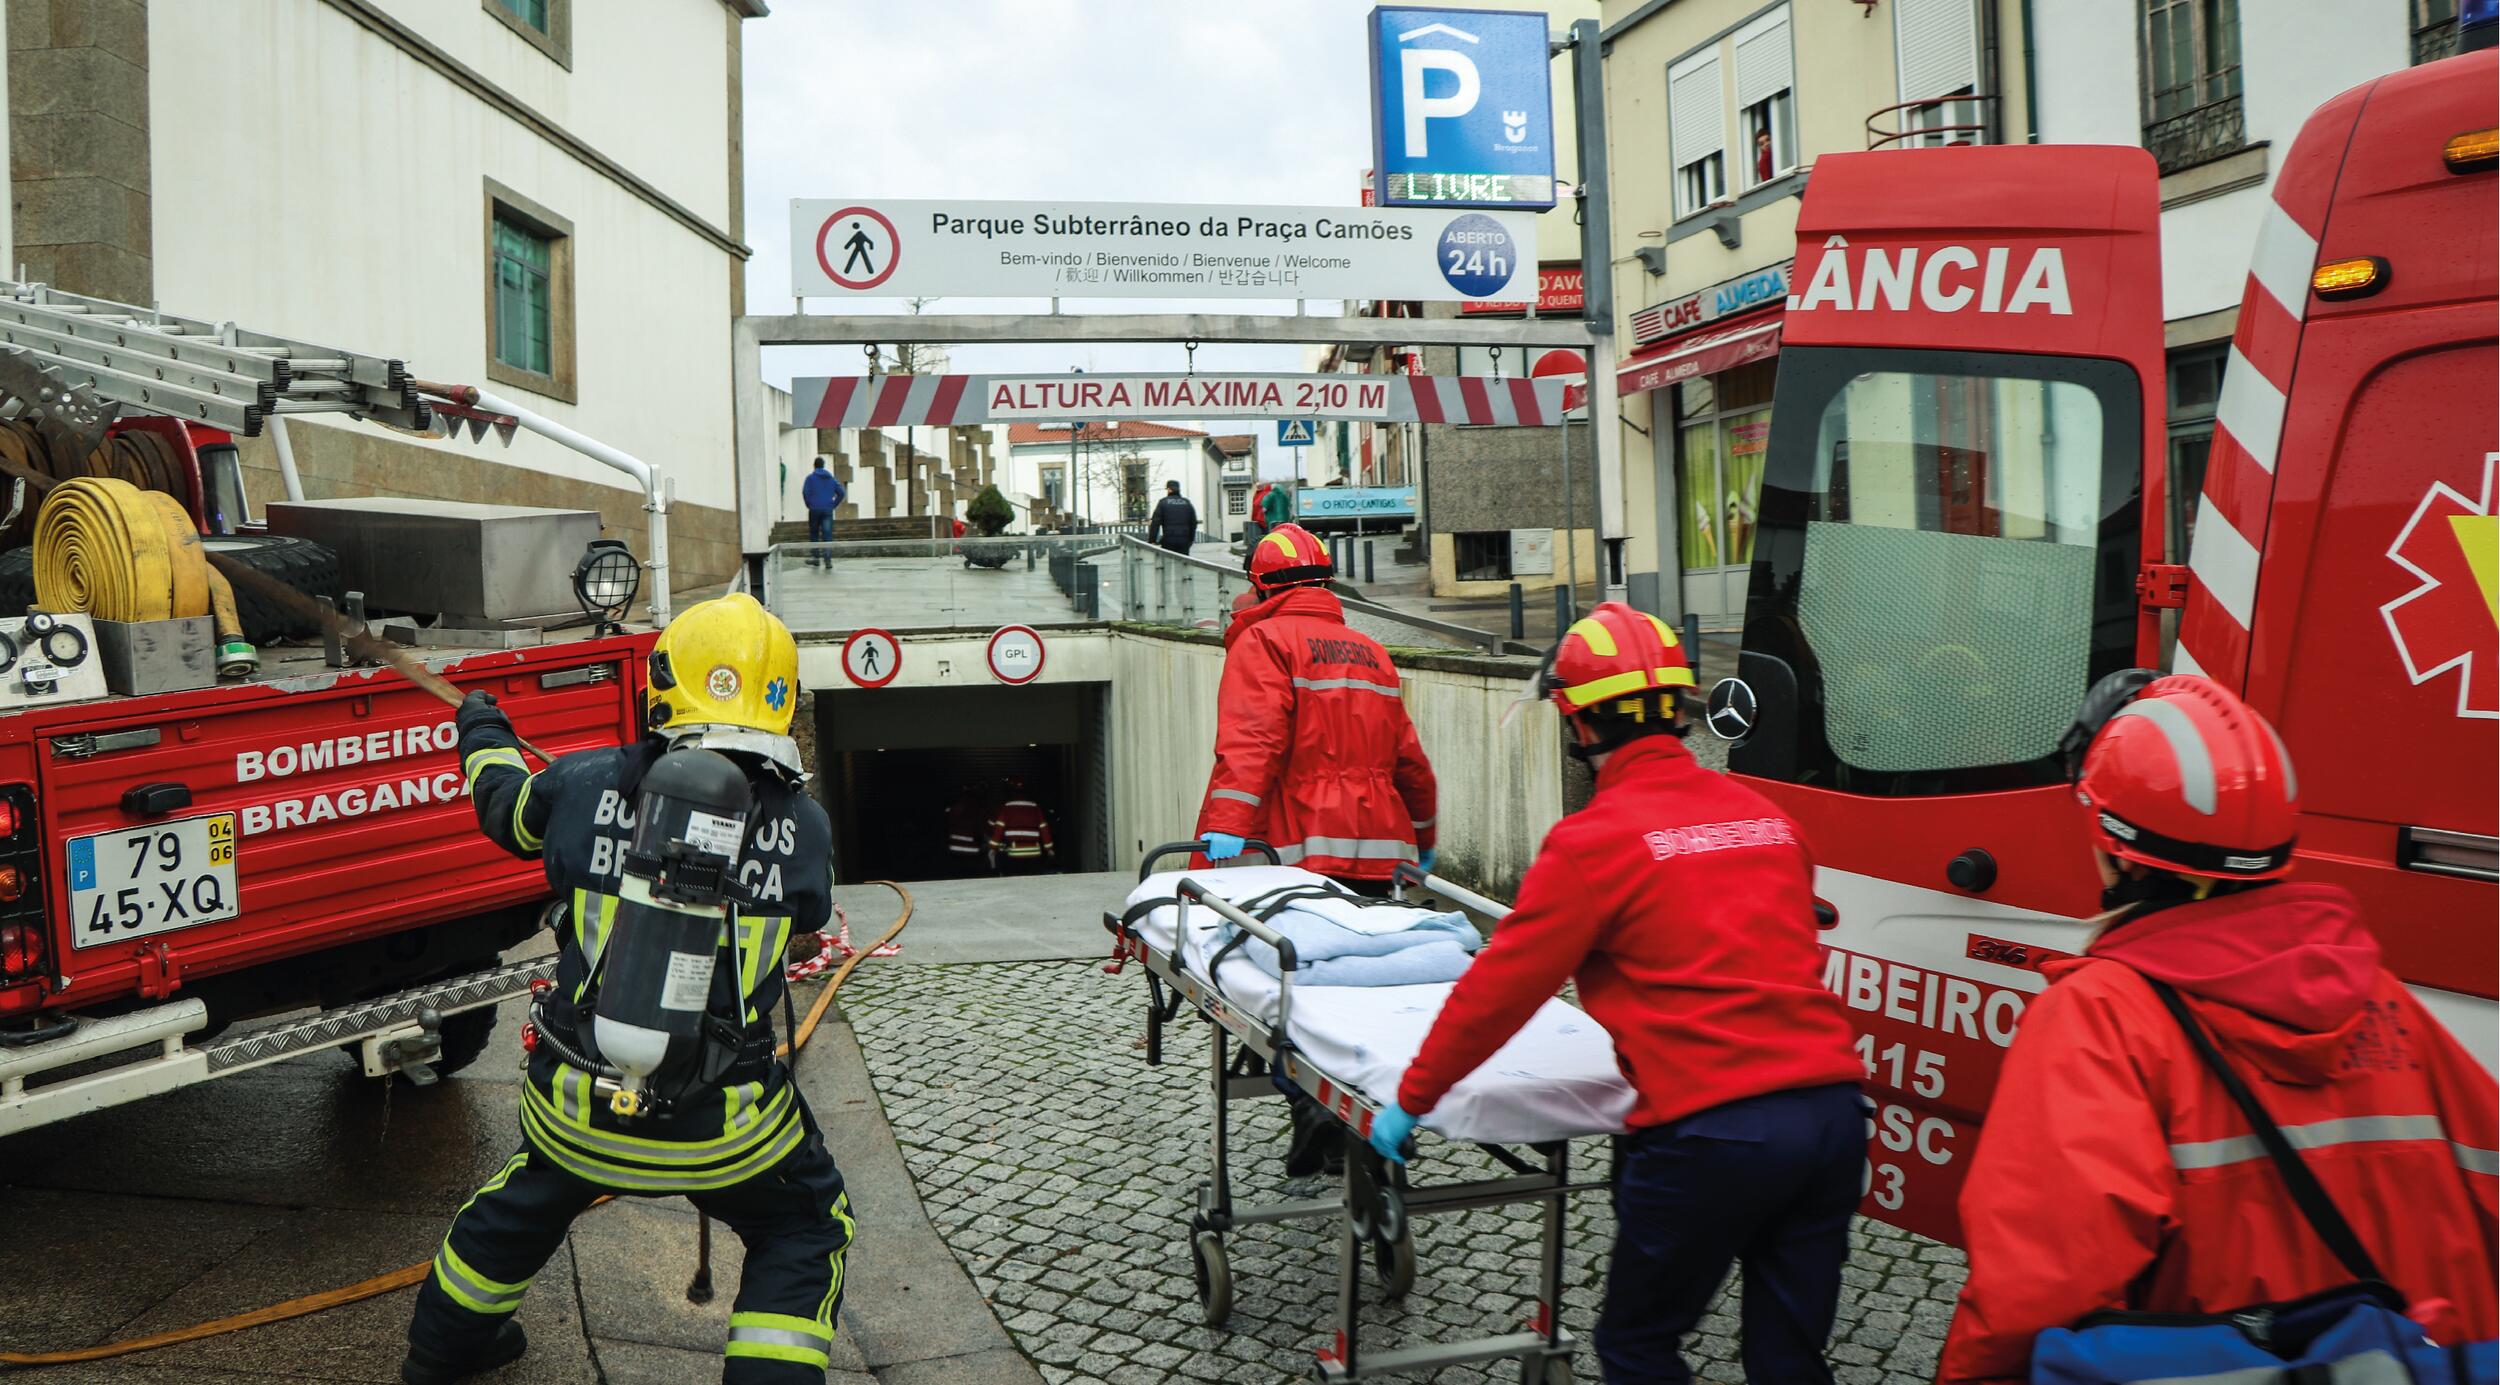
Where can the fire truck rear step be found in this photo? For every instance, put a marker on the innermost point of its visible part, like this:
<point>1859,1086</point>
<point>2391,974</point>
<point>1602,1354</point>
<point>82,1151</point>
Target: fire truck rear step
<point>372,1025</point>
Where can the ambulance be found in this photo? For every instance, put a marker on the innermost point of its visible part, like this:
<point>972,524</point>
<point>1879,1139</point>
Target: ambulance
<point>1962,528</point>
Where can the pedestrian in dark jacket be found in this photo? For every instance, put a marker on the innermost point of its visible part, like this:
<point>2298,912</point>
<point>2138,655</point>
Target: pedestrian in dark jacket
<point>823,493</point>
<point>1174,523</point>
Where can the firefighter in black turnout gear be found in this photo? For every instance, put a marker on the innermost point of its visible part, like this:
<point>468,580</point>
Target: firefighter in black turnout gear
<point>685,861</point>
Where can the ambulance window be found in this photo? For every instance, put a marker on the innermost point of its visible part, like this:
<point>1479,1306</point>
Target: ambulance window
<point>1945,562</point>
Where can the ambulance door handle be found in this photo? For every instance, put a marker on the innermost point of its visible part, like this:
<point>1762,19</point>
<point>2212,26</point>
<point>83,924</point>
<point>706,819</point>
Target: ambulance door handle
<point>1974,870</point>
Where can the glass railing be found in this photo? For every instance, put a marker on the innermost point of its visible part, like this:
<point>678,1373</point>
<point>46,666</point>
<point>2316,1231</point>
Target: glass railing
<point>944,584</point>
<point>1044,580</point>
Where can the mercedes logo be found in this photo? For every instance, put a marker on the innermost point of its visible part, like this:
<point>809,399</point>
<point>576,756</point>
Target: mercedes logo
<point>1732,709</point>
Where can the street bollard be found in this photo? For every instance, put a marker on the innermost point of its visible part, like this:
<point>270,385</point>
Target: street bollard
<point>1692,642</point>
<point>1518,611</point>
<point>1088,590</point>
<point>1368,578</point>
<point>1562,611</point>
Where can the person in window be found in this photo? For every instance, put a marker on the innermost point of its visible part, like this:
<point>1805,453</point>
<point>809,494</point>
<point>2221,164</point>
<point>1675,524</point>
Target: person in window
<point>1682,902</point>
<point>823,493</point>
<point>1762,165</point>
<point>1174,525</point>
<point>2115,1172</point>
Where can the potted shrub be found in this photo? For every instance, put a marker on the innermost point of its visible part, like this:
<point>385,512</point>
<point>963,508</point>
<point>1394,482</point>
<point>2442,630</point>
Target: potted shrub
<point>989,514</point>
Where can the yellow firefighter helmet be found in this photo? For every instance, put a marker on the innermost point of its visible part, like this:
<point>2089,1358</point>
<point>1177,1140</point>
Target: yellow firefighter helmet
<point>726,672</point>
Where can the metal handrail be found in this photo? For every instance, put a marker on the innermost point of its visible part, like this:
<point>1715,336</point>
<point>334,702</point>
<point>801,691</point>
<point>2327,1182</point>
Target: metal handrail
<point>1225,571</point>
<point>1877,138</point>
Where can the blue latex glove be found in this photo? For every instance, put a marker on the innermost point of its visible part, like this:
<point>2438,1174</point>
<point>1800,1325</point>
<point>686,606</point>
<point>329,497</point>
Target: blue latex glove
<point>1390,1131</point>
<point>1424,862</point>
<point>1222,846</point>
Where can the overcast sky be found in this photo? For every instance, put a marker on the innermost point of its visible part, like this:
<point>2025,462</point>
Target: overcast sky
<point>1079,100</point>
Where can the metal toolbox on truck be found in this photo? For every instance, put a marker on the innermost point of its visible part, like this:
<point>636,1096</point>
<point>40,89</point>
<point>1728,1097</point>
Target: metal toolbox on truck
<point>487,563</point>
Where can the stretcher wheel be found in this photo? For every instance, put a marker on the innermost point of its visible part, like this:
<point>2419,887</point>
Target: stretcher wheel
<point>1395,1259</point>
<point>1215,1278</point>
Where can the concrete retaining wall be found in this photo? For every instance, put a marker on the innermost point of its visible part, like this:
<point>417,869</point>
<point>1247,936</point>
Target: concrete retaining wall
<point>1501,787</point>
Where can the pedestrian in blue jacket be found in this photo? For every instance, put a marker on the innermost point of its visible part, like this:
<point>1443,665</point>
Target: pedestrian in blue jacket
<point>824,493</point>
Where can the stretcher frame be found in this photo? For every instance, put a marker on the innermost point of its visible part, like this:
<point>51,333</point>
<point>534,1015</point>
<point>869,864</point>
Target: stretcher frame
<point>1375,1201</point>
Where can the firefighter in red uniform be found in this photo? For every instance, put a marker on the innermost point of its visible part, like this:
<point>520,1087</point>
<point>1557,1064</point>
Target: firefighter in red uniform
<point>1019,839</point>
<point>2115,1171</point>
<point>1312,745</point>
<point>1683,903</point>
<point>1313,755</point>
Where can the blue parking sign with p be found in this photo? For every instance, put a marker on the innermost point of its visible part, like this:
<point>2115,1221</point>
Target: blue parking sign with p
<point>1462,108</point>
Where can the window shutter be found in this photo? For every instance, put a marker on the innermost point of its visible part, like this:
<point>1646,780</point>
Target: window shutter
<point>1696,110</point>
<point>1762,60</point>
<point>1937,43</point>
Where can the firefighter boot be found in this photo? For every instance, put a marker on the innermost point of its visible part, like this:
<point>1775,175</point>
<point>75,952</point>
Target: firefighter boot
<point>422,1367</point>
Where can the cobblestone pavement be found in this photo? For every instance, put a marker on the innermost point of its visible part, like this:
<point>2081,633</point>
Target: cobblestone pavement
<point>1061,1169</point>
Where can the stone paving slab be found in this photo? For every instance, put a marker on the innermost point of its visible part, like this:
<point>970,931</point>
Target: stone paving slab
<point>1060,1170</point>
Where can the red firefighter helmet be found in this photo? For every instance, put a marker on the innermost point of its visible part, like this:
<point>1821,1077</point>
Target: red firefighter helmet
<point>2187,778</point>
<point>1288,555</point>
<point>1613,653</point>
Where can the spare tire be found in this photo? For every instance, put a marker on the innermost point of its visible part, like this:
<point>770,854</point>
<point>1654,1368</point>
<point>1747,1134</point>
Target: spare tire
<point>17,581</point>
<point>300,565</point>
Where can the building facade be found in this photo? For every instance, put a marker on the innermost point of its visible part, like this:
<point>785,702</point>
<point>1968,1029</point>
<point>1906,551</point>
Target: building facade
<point>1716,111</point>
<point>540,197</point>
<point>1113,473</point>
<point>2216,94</point>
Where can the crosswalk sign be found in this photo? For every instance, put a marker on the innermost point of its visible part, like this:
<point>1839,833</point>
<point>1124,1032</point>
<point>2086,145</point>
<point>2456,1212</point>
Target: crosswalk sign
<point>1296,432</point>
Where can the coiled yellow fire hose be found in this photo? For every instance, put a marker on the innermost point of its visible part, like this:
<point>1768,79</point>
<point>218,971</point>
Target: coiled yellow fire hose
<point>116,552</point>
<point>406,1276</point>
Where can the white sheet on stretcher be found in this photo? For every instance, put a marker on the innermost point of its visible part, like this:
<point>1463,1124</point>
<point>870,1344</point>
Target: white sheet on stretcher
<point>1556,1078</point>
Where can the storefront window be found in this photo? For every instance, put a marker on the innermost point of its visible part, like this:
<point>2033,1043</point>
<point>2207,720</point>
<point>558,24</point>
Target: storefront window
<point>1699,488</point>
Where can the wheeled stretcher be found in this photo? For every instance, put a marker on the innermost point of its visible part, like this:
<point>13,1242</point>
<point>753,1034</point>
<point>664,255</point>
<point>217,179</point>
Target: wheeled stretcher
<point>1345,1048</point>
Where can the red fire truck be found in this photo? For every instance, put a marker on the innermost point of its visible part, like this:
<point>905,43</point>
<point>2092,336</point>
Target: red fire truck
<point>1962,528</point>
<point>196,883</point>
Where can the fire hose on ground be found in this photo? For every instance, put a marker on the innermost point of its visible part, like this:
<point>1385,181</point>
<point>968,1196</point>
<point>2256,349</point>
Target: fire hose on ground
<point>409,1276</point>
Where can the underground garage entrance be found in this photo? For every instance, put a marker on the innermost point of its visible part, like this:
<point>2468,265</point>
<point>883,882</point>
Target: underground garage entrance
<point>901,769</point>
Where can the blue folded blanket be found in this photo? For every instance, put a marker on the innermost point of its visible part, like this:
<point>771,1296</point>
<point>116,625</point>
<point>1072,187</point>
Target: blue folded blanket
<point>1434,948</point>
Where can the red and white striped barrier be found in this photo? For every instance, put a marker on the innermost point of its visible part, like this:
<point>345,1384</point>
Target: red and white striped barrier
<point>941,401</point>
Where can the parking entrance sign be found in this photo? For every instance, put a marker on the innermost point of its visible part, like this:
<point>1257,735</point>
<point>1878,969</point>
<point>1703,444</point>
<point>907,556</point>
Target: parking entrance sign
<point>1462,108</point>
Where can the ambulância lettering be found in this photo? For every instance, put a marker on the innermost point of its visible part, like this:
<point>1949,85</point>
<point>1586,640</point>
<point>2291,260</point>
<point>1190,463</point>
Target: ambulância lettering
<point>1939,279</point>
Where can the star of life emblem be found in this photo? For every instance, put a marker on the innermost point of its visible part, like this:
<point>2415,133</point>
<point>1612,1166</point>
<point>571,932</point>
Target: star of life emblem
<point>2450,623</point>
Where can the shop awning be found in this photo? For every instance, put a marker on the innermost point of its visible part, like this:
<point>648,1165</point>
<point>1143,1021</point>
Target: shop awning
<point>1704,353</point>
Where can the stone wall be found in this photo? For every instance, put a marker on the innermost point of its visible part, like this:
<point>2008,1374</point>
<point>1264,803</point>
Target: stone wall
<point>1502,478</point>
<point>336,462</point>
<point>78,146</point>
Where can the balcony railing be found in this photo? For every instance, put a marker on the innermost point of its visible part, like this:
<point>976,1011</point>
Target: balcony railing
<point>2432,42</point>
<point>2197,136</point>
<point>1932,121</point>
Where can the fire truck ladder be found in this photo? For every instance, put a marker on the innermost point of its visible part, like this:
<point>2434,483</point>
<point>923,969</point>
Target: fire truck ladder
<point>208,372</point>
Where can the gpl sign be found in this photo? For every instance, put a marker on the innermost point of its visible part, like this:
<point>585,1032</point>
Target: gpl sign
<point>1462,108</point>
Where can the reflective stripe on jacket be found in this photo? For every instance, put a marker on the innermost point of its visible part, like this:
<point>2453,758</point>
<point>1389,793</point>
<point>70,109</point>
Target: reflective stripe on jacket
<point>2115,1172</point>
<point>1020,828</point>
<point>1313,750</point>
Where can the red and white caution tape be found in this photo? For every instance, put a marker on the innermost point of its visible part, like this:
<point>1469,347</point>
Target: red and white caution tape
<point>834,951</point>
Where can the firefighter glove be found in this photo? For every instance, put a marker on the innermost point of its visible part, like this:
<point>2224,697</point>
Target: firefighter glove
<point>476,710</point>
<point>1222,846</point>
<point>1393,1134</point>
